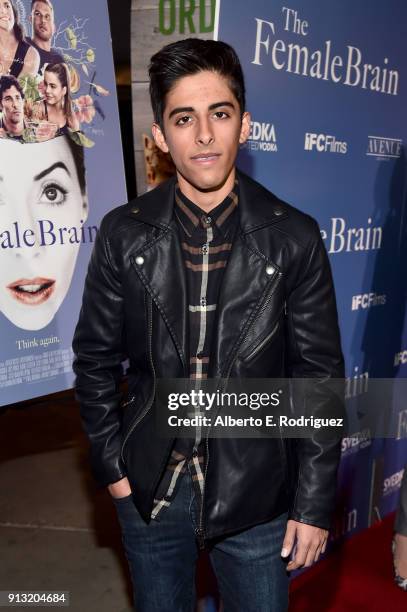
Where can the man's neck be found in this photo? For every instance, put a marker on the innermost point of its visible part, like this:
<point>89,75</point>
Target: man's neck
<point>45,45</point>
<point>207,200</point>
<point>14,129</point>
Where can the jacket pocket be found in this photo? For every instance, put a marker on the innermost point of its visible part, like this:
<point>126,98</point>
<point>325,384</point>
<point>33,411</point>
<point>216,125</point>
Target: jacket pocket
<point>257,349</point>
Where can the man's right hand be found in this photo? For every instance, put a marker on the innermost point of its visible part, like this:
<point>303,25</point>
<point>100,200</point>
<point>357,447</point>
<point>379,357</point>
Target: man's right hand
<point>121,488</point>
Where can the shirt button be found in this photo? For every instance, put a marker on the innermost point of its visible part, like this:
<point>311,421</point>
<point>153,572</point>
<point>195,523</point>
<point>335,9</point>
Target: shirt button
<point>206,221</point>
<point>139,260</point>
<point>205,248</point>
<point>203,301</point>
<point>270,270</point>
<point>199,355</point>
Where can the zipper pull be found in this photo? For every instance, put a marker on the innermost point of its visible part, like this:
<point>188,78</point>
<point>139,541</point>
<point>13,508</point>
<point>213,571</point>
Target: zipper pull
<point>200,537</point>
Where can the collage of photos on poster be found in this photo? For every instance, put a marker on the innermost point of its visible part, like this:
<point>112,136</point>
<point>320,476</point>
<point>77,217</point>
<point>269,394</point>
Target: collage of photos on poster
<point>40,74</point>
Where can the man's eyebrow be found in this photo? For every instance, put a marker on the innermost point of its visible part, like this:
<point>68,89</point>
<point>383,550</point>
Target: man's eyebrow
<point>50,169</point>
<point>217,104</point>
<point>190,109</point>
<point>180,109</point>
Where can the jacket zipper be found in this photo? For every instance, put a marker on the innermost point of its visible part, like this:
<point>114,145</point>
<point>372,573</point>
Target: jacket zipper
<point>152,395</point>
<point>200,532</point>
<point>263,343</point>
<point>129,401</point>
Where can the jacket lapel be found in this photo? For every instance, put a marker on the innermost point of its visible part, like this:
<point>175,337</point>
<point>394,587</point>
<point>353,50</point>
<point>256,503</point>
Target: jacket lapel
<point>249,277</point>
<point>160,266</point>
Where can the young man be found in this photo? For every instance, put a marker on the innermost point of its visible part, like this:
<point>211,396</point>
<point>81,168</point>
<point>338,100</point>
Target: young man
<point>207,276</point>
<point>11,107</point>
<point>43,29</point>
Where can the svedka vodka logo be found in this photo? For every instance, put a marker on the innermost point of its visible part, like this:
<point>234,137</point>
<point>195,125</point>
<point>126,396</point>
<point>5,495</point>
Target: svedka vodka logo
<point>262,137</point>
<point>384,148</point>
<point>393,483</point>
<point>358,441</point>
<point>324,143</point>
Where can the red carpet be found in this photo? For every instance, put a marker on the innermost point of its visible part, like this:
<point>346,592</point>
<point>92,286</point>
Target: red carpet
<point>355,577</point>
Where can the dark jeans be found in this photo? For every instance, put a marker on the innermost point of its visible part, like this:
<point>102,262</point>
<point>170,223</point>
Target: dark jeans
<point>162,557</point>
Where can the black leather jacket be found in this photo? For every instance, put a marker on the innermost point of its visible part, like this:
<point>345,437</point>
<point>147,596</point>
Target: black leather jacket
<point>135,306</point>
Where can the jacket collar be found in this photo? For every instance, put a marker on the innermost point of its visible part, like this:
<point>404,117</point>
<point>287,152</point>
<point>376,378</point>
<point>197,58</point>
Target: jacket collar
<point>257,206</point>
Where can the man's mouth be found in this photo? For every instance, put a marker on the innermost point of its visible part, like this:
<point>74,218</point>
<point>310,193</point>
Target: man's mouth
<point>32,291</point>
<point>206,158</point>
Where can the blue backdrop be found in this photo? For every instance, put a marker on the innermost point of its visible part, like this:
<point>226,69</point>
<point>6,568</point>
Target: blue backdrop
<point>326,88</point>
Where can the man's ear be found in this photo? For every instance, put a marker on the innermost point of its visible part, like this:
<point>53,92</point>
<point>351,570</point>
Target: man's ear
<point>159,138</point>
<point>245,128</point>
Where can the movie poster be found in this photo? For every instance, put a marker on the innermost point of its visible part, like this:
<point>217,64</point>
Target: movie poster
<point>61,170</point>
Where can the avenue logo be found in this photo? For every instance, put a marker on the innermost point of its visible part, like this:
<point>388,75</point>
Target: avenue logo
<point>324,143</point>
<point>381,147</point>
<point>262,137</point>
<point>366,300</point>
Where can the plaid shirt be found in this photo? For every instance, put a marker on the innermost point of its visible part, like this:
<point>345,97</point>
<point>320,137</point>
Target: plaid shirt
<point>206,241</point>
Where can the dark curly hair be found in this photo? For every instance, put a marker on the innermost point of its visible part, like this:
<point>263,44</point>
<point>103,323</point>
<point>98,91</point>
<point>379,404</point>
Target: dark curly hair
<point>187,57</point>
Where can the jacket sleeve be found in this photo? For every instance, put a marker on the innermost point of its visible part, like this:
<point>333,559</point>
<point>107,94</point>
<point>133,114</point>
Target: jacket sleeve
<point>314,352</point>
<point>98,351</point>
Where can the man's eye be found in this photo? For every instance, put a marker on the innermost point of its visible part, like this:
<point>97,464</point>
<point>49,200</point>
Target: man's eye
<point>221,115</point>
<point>183,120</point>
<point>53,194</point>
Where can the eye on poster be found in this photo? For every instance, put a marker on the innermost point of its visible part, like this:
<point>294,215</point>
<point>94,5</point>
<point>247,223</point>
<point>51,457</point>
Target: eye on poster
<point>61,170</point>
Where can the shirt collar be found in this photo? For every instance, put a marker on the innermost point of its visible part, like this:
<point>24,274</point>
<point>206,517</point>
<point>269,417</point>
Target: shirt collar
<point>192,218</point>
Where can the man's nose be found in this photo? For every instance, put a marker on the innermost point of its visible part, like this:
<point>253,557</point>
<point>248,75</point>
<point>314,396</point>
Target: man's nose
<point>205,135</point>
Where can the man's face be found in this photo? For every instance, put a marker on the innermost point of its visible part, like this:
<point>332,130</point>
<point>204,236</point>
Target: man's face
<point>12,105</point>
<point>202,130</point>
<point>42,18</point>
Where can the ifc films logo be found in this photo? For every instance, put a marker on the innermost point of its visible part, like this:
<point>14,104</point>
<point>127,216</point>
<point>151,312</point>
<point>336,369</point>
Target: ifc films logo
<point>324,143</point>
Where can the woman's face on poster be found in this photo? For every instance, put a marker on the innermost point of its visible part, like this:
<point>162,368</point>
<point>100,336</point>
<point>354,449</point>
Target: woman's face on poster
<point>40,202</point>
<point>6,15</point>
<point>54,92</point>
